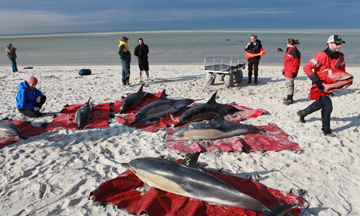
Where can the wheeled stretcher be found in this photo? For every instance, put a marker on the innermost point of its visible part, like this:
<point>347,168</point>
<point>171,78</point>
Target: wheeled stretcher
<point>230,74</point>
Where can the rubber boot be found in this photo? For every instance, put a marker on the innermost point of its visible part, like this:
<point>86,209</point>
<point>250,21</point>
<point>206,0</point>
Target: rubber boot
<point>124,82</point>
<point>255,79</point>
<point>249,77</point>
<point>127,81</point>
<point>289,100</point>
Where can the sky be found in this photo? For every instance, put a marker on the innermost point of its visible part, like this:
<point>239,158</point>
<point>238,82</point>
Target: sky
<point>63,16</point>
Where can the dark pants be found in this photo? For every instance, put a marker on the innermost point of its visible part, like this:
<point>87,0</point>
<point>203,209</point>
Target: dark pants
<point>33,113</point>
<point>13,64</point>
<point>253,64</point>
<point>325,104</point>
<point>125,63</point>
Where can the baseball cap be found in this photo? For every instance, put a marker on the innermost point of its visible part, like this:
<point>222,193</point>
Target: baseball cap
<point>335,39</point>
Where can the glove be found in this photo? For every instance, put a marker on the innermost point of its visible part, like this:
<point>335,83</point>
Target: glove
<point>319,84</point>
<point>38,99</point>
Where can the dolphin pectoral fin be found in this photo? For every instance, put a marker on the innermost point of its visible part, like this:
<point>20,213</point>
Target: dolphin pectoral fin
<point>279,210</point>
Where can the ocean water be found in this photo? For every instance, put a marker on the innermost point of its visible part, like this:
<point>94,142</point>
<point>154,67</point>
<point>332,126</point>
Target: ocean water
<point>173,47</point>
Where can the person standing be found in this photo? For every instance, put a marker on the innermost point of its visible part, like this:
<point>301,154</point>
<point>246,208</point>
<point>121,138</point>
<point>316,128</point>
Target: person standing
<point>29,99</point>
<point>330,58</point>
<point>11,54</point>
<point>253,63</point>
<point>142,51</point>
<point>125,59</point>
<point>291,68</point>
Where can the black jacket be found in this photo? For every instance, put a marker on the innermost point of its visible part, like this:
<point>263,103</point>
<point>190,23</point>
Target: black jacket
<point>141,52</point>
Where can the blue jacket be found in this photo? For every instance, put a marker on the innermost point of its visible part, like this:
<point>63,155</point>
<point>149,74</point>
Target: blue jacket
<point>26,97</point>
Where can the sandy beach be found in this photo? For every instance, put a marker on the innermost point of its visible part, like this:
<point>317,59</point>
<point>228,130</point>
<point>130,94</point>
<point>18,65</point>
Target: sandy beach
<point>53,173</point>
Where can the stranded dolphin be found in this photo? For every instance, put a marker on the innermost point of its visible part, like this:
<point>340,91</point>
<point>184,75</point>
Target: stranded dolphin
<point>205,111</point>
<point>82,115</point>
<point>216,128</point>
<point>160,108</point>
<point>187,179</point>
<point>9,130</point>
<point>133,100</point>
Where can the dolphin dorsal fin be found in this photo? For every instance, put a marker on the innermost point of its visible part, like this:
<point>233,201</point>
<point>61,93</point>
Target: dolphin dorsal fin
<point>191,160</point>
<point>163,95</point>
<point>141,88</point>
<point>213,98</point>
<point>88,102</point>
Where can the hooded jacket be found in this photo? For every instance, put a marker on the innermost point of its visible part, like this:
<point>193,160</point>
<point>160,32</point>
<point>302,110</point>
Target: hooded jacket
<point>124,51</point>
<point>10,52</point>
<point>26,97</point>
<point>254,48</point>
<point>291,62</point>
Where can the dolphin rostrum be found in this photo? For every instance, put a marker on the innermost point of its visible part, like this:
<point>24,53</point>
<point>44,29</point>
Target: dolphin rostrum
<point>185,178</point>
<point>216,128</point>
<point>160,108</point>
<point>133,100</point>
<point>10,130</point>
<point>82,115</point>
<point>205,111</point>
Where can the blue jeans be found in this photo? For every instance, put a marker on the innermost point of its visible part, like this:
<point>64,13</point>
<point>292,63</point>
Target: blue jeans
<point>13,62</point>
<point>125,69</point>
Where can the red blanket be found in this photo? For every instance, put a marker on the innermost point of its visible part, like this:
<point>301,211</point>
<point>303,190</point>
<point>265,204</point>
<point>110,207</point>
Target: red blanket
<point>66,118</point>
<point>120,191</point>
<point>242,115</point>
<point>27,130</point>
<point>148,99</point>
<point>274,139</point>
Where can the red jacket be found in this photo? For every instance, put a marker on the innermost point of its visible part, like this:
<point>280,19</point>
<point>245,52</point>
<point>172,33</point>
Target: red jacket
<point>321,61</point>
<point>291,62</point>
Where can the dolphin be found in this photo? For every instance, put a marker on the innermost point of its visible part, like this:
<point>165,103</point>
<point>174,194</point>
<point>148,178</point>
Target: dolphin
<point>10,130</point>
<point>216,128</point>
<point>185,178</point>
<point>205,111</point>
<point>133,100</point>
<point>82,115</point>
<point>160,108</point>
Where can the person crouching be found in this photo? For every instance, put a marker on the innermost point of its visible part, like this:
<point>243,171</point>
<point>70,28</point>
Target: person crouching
<point>29,99</point>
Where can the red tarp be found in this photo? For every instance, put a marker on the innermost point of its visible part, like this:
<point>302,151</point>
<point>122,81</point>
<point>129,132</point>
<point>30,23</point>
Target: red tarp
<point>66,118</point>
<point>27,130</point>
<point>120,191</point>
<point>242,115</point>
<point>274,139</point>
<point>148,99</point>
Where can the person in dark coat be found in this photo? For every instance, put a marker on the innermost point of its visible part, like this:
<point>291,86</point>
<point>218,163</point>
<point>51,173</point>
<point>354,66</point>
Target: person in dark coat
<point>142,51</point>
<point>253,63</point>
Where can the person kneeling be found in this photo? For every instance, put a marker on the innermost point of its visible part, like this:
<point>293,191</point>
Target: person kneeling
<point>29,99</point>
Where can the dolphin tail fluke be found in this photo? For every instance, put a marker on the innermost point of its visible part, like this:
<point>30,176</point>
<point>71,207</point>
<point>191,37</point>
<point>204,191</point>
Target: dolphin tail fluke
<point>279,210</point>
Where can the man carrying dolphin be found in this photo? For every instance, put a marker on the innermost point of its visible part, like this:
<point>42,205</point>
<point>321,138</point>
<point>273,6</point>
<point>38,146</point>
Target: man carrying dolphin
<point>330,58</point>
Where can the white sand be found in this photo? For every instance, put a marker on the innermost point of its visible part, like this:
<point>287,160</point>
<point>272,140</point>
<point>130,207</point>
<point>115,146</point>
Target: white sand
<point>53,173</point>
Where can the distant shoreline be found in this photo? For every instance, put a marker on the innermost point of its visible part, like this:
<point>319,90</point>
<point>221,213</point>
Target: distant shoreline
<point>260,30</point>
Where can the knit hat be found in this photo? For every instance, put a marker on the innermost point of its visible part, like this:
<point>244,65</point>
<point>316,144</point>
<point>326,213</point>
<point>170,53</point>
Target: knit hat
<point>32,80</point>
<point>124,38</point>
